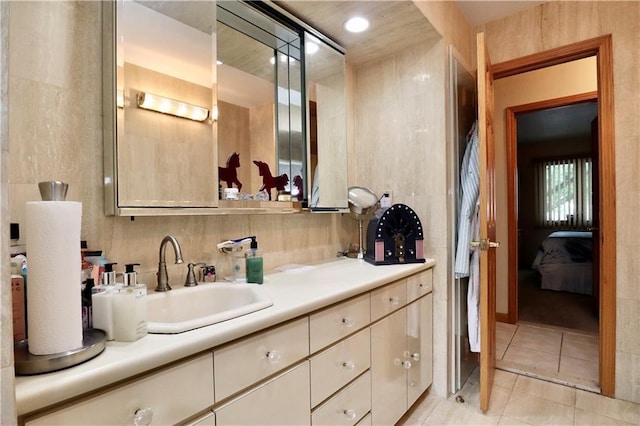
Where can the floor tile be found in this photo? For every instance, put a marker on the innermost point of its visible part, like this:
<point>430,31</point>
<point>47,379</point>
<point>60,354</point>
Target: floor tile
<point>538,339</point>
<point>586,418</point>
<point>501,348</point>
<point>504,379</point>
<point>579,349</point>
<point>609,407</point>
<point>587,370</point>
<point>449,412</point>
<point>508,421</point>
<point>541,361</point>
<point>421,411</point>
<point>581,338</point>
<point>505,332</point>
<point>546,390</point>
<point>538,411</point>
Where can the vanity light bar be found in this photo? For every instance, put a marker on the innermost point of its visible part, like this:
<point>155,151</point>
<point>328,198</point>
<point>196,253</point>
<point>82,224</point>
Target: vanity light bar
<point>172,107</point>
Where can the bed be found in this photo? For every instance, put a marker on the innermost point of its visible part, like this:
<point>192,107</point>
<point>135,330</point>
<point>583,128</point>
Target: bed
<point>564,262</point>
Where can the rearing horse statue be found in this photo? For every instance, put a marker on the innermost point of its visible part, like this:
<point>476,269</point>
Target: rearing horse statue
<point>229,174</point>
<point>268,180</point>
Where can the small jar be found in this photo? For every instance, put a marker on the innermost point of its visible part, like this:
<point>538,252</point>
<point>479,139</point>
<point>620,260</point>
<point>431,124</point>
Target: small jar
<point>208,274</point>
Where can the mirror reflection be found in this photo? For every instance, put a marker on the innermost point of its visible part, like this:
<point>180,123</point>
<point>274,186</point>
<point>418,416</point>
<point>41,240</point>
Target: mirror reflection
<point>212,110</point>
<point>164,159</point>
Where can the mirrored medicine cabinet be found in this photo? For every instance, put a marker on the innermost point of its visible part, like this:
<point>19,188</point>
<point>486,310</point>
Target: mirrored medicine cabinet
<point>202,96</point>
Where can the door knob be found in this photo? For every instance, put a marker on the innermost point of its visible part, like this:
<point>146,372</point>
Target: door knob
<point>484,244</point>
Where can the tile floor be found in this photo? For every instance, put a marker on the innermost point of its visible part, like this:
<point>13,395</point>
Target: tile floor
<point>560,355</point>
<point>522,400</point>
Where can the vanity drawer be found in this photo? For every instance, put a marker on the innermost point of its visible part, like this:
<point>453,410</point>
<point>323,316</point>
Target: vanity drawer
<point>283,400</point>
<point>388,299</point>
<point>249,360</point>
<point>419,284</point>
<point>338,365</point>
<point>332,324</point>
<point>348,406</point>
<point>171,395</point>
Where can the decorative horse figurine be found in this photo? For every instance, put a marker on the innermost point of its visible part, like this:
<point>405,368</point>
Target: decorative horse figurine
<point>268,180</point>
<point>297,182</point>
<point>229,174</point>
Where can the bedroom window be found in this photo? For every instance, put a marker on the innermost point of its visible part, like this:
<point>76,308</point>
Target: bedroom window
<point>564,193</point>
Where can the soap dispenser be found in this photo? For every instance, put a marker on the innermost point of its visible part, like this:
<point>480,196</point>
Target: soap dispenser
<point>253,263</point>
<point>109,275</point>
<point>130,308</point>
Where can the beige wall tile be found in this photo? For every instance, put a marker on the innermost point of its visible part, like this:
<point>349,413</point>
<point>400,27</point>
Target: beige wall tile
<point>627,376</point>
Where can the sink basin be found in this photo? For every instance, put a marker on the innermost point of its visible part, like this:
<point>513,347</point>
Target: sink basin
<point>187,308</point>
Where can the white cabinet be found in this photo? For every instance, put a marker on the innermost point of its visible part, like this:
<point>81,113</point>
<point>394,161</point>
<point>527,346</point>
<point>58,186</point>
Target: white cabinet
<point>420,347</point>
<point>165,397</point>
<point>331,324</point>
<point>283,400</point>
<point>401,360</point>
<point>388,375</point>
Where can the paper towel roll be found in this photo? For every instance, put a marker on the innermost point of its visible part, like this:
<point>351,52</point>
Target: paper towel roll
<point>54,306</point>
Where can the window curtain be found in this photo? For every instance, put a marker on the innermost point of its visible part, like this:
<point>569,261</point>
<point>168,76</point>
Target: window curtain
<point>564,193</point>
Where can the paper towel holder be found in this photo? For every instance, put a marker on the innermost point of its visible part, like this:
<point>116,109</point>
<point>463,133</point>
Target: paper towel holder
<point>53,190</point>
<point>26,364</point>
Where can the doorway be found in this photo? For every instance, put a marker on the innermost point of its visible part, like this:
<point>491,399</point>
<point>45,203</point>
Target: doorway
<point>600,48</point>
<point>556,331</point>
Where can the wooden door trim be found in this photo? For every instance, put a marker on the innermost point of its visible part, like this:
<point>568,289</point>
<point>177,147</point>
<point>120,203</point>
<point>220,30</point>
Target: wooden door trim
<point>601,47</point>
<point>512,186</point>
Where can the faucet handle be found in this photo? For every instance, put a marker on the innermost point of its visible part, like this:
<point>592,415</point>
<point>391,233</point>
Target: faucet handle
<point>191,281</point>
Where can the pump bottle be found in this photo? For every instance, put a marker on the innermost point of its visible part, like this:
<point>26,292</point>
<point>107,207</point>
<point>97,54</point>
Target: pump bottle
<point>253,263</point>
<point>130,308</point>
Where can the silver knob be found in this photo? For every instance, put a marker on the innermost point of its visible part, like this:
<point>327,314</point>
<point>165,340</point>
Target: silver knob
<point>349,365</point>
<point>348,322</point>
<point>351,414</point>
<point>415,356</point>
<point>143,416</point>
<point>273,357</point>
<point>406,364</point>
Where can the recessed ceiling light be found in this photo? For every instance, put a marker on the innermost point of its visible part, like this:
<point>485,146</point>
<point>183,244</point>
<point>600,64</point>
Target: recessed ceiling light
<point>356,24</point>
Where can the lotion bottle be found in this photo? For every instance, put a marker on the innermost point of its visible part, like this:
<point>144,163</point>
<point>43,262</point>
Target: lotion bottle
<point>254,264</point>
<point>130,309</point>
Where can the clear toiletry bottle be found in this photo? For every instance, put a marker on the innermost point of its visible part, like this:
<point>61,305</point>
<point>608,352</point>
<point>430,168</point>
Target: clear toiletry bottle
<point>130,308</point>
<point>254,264</point>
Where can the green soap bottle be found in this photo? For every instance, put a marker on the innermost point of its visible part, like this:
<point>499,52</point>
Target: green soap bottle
<point>253,263</point>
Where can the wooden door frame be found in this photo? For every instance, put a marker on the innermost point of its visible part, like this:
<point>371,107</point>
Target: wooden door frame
<point>601,48</point>
<point>512,187</point>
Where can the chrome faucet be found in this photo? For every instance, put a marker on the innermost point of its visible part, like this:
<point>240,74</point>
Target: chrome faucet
<point>163,278</point>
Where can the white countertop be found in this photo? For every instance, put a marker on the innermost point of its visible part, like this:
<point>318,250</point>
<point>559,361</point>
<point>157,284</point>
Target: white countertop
<point>294,293</point>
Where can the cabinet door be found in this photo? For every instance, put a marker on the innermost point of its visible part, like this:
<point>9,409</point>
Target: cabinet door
<point>419,347</point>
<point>388,373</point>
<point>284,400</point>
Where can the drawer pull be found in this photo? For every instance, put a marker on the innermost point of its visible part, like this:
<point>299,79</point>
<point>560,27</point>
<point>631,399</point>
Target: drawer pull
<point>350,414</point>
<point>349,365</point>
<point>143,416</point>
<point>395,300</point>
<point>274,357</point>
<point>348,322</point>
<point>406,364</point>
<point>415,356</point>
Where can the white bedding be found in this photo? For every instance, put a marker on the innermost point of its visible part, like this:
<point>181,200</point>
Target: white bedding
<point>565,262</point>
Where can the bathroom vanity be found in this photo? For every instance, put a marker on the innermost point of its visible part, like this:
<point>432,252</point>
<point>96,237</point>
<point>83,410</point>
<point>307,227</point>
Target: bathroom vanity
<point>345,342</point>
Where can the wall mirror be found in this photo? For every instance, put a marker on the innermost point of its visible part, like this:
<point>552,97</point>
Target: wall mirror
<point>231,110</point>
